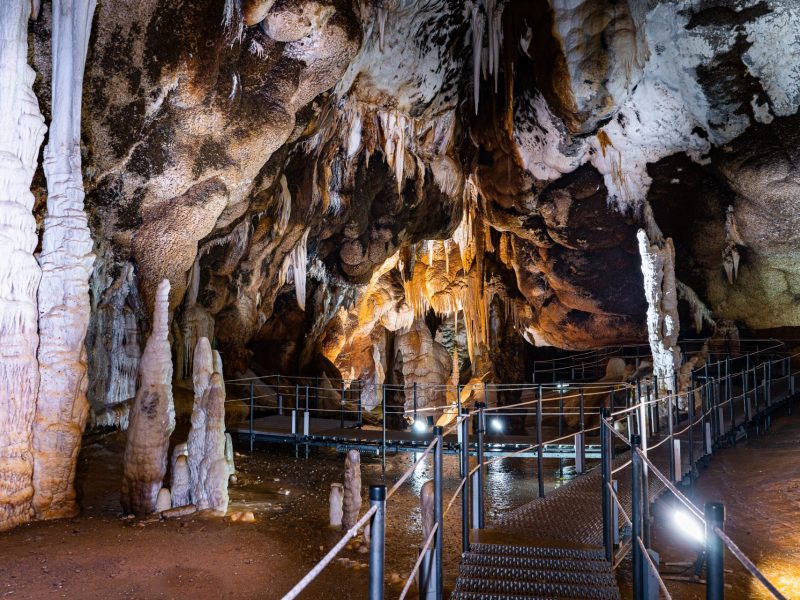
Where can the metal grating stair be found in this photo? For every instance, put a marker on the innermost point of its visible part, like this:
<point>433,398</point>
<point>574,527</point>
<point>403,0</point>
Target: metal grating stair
<point>503,571</point>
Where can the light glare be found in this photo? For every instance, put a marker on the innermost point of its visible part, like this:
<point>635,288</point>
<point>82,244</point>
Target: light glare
<point>497,425</point>
<point>689,525</point>
<point>420,426</point>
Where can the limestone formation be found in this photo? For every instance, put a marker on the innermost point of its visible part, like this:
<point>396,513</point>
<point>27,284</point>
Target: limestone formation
<point>335,501</point>
<point>164,500</point>
<point>209,469</point>
<point>66,259</point>
<point>426,502</point>
<point>21,132</point>
<point>663,323</point>
<point>351,502</point>
<point>152,417</point>
<point>180,484</point>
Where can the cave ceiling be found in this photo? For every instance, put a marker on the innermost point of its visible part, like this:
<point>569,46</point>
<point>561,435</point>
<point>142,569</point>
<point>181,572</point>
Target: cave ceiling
<point>342,187</point>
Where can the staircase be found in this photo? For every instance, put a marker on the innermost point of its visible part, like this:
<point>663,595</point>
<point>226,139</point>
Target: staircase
<point>496,571</point>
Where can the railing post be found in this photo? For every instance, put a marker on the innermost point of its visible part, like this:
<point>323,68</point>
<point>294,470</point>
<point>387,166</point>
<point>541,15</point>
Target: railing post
<point>359,416</point>
<point>671,429</point>
<point>415,401</point>
<point>580,438</point>
<point>605,457</point>
<point>691,438</point>
<point>465,474</point>
<point>715,551</point>
<point>438,515</point>
<point>479,491</point>
<point>341,409</point>
<point>252,398</point>
<point>377,497</point>
<point>383,439</point>
<point>560,426</point>
<point>639,590</point>
<point>539,444</point>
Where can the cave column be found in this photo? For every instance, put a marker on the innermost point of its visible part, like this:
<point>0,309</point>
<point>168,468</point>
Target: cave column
<point>663,324</point>
<point>66,260</point>
<point>21,132</point>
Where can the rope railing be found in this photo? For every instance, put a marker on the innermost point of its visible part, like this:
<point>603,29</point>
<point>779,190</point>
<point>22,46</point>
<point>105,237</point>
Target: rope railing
<point>706,391</point>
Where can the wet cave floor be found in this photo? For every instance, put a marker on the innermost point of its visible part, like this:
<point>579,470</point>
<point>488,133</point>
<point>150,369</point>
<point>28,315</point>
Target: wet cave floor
<point>101,555</point>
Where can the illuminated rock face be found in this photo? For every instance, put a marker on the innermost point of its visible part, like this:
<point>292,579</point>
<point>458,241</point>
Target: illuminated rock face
<point>322,182</point>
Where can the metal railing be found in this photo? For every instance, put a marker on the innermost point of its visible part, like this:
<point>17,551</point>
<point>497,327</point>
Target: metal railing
<point>712,406</point>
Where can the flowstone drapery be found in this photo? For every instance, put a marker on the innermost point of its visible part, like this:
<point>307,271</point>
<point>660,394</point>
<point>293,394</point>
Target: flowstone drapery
<point>152,417</point>
<point>66,260</point>
<point>21,132</point>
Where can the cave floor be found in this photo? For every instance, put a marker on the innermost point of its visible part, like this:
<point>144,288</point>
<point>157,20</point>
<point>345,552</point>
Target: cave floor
<point>102,555</point>
<point>759,483</point>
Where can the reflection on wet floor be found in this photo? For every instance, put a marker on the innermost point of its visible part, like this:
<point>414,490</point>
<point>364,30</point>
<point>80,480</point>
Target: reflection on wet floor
<point>273,482</point>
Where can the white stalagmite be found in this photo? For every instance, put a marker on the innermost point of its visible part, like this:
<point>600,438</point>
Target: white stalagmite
<point>335,505</point>
<point>351,503</point>
<point>21,132</point>
<point>66,260</point>
<point>152,417</point>
<point>180,485</point>
<point>663,325</point>
<point>208,467</point>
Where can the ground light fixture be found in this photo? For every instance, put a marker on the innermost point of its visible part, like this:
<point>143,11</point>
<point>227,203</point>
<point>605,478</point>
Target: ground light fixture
<point>689,526</point>
<point>420,426</point>
<point>496,424</point>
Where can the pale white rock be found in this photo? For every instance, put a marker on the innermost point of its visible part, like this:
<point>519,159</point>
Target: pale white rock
<point>180,484</point>
<point>663,325</point>
<point>152,418</point>
<point>66,259</point>
<point>351,503</point>
<point>21,132</point>
<point>164,500</point>
<point>209,469</point>
<point>335,500</point>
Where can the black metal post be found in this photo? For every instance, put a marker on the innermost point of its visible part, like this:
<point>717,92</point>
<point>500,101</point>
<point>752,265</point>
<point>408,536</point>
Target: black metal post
<point>377,497</point>
<point>359,416</point>
<point>605,456</point>
<point>481,431</point>
<point>639,590</point>
<point>465,476</point>
<point>415,401</point>
<point>539,444</point>
<point>383,442</point>
<point>252,398</point>
<point>560,426</point>
<point>341,409</point>
<point>438,514</point>
<point>581,450</point>
<point>715,551</point>
<point>691,437</point>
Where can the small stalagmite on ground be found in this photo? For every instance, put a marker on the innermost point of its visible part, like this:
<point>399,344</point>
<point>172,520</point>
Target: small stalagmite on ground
<point>335,500</point>
<point>208,465</point>
<point>152,417</point>
<point>351,504</point>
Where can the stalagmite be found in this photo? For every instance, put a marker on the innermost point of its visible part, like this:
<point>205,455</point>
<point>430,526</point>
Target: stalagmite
<point>426,505</point>
<point>164,500</point>
<point>152,417</point>
<point>733,241</point>
<point>335,501</point>
<point>181,485</point>
<point>351,504</point>
<point>66,260</point>
<point>21,132</point>
<point>208,467</point>
<point>663,326</point>
<point>229,457</point>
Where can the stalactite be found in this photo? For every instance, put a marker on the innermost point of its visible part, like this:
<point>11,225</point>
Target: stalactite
<point>66,259</point>
<point>478,23</point>
<point>152,417</point>
<point>733,242</point>
<point>285,211</point>
<point>21,132</point>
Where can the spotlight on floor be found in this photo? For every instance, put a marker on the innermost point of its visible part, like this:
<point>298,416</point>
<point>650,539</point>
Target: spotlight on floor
<point>420,426</point>
<point>496,424</point>
<point>689,525</point>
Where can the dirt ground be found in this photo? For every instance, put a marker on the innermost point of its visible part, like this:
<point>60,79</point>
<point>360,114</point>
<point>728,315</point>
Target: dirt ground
<point>759,483</point>
<point>101,555</point>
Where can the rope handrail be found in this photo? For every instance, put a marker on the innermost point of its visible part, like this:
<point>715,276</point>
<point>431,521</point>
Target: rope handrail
<point>317,569</point>
<point>748,564</point>
<point>683,499</point>
<point>654,568</point>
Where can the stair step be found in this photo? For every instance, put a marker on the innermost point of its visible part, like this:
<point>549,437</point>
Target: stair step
<point>572,577</point>
<point>533,551</point>
<point>482,596</point>
<point>533,562</point>
<point>527,588</point>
